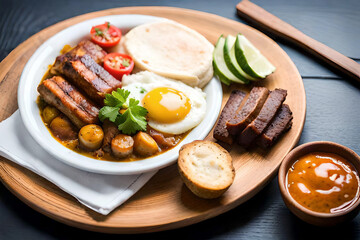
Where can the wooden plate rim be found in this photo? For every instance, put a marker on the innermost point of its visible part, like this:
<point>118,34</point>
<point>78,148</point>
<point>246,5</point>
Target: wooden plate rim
<point>11,183</point>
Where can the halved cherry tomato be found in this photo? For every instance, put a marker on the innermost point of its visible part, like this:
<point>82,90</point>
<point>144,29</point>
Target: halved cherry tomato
<point>118,64</point>
<point>105,35</point>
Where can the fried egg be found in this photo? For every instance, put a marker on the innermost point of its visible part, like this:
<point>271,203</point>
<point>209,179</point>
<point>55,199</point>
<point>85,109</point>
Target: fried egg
<point>173,107</point>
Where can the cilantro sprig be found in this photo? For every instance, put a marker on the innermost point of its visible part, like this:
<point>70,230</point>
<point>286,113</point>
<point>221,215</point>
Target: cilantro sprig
<point>98,32</point>
<point>125,62</point>
<point>134,117</point>
<point>104,33</point>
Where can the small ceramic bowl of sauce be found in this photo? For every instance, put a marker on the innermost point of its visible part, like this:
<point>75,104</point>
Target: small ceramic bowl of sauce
<point>319,183</point>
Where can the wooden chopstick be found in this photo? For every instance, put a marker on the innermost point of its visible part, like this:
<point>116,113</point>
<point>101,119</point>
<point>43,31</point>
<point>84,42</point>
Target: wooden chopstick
<point>253,13</point>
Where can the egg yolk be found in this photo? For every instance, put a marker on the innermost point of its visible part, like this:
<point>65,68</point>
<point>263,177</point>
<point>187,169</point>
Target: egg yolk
<point>166,105</point>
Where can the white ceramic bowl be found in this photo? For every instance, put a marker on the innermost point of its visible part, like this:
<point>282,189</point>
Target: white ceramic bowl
<point>36,68</point>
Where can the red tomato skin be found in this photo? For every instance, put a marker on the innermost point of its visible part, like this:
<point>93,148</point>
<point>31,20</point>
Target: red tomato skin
<point>118,73</point>
<point>111,30</point>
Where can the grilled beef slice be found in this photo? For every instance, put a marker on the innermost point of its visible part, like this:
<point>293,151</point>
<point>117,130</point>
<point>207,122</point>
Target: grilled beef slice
<point>266,114</point>
<point>279,125</point>
<point>233,103</point>
<point>58,92</point>
<point>248,112</point>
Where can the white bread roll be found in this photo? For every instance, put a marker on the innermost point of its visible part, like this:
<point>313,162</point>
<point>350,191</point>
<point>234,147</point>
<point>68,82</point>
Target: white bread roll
<point>206,168</point>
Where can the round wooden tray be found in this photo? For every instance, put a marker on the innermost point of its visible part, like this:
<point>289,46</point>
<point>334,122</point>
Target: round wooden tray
<point>164,202</point>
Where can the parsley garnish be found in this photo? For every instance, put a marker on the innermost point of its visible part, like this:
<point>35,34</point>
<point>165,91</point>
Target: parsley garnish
<point>108,25</point>
<point>108,112</point>
<point>116,98</point>
<point>125,62</point>
<point>142,90</point>
<point>98,32</point>
<point>132,120</point>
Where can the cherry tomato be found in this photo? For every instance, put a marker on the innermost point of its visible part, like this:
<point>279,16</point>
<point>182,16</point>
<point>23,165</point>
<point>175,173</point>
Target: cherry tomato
<point>118,64</point>
<point>105,35</point>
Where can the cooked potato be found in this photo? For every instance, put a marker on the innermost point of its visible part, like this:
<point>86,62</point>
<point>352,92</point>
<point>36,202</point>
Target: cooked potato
<point>122,145</point>
<point>91,137</point>
<point>63,128</point>
<point>49,113</point>
<point>144,144</point>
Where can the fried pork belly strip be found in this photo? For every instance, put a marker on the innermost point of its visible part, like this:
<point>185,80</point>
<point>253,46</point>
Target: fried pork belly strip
<point>78,98</point>
<point>100,72</point>
<point>58,92</point>
<point>90,77</point>
<point>81,66</point>
<point>85,47</point>
<point>91,49</point>
<point>233,103</point>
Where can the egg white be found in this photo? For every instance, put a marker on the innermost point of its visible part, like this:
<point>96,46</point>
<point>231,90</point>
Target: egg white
<point>141,83</point>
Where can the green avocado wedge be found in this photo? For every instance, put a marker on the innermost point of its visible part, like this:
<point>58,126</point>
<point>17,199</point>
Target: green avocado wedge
<point>220,68</point>
<point>250,59</point>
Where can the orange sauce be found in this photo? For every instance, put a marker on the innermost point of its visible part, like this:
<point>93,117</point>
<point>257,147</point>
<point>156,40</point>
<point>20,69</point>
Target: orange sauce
<point>323,182</point>
<point>74,144</point>
<point>66,49</point>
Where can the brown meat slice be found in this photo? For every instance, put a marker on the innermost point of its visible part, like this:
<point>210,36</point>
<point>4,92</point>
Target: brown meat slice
<point>161,140</point>
<point>58,92</point>
<point>266,114</point>
<point>281,123</point>
<point>89,48</point>
<point>83,74</point>
<point>100,72</point>
<point>248,112</point>
<point>85,47</point>
<point>79,98</point>
<point>110,131</point>
<point>233,103</point>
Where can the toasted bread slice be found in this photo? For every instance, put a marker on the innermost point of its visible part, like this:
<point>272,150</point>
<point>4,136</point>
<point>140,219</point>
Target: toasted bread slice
<point>206,168</point>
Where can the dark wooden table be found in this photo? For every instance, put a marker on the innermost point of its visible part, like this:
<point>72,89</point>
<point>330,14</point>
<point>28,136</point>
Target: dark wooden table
<point>333,111</point>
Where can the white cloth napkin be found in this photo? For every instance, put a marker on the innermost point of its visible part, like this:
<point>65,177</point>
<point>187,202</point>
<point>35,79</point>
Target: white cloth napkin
<point>99,192</point>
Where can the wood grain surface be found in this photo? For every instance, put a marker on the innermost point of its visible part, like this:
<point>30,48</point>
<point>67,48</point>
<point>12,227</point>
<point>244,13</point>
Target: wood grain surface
<point>331,115</point>
<point>149,209</point>
<point>276,26</point>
